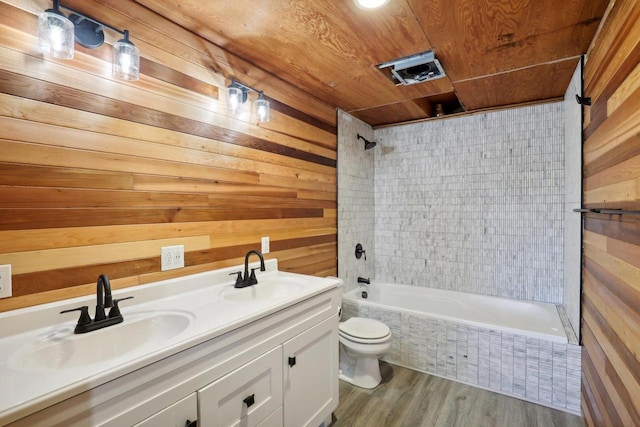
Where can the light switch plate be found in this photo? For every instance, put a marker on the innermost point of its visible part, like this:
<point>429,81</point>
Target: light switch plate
<point>265,245</point>
<point>5,281</point>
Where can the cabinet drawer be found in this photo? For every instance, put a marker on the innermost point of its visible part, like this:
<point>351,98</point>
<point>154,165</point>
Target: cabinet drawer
<point>175,415</point>
<point>247,395</point>
<point>273,420</point>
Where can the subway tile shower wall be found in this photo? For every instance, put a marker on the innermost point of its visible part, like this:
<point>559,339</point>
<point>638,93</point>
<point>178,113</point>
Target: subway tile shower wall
<point>356,199</point>
<point>474,204</point>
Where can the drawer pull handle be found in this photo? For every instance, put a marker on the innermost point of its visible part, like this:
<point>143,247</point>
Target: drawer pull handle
<point>249,400</point>
<point>292,361</point>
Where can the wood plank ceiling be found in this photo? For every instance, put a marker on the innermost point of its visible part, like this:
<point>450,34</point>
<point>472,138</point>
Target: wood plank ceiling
<point>495,52</point>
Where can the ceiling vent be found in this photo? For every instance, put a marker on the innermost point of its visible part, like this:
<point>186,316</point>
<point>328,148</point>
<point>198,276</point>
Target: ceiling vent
<point>413,69</point>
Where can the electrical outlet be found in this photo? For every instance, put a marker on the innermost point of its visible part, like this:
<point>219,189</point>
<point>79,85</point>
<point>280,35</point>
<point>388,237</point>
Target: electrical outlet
<point>172,257</point>
<point>5,281</point>
<point>265,245</point>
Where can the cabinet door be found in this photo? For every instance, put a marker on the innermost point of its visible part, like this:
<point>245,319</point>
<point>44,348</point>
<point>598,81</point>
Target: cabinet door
<point>244,397</point>
<point>311,375</point>
<point>273,420</point>
<point>175,415</point>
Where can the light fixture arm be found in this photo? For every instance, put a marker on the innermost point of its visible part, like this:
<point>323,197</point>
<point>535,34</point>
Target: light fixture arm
<point>243,87</point>
<point>57,6</point>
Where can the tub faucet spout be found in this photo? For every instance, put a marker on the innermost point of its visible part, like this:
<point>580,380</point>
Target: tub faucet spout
<point>364,280</point>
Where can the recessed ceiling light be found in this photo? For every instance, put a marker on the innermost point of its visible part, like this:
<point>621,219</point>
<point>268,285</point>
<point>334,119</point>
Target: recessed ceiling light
<point>371,4</point>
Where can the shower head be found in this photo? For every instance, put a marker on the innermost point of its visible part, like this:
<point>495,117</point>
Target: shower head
<point>367,144</point>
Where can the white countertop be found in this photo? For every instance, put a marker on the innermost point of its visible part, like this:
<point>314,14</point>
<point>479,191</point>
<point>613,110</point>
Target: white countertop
<point>34,377</point>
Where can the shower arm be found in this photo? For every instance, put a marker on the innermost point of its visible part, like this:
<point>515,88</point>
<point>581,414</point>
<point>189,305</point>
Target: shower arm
<point>367,144</point>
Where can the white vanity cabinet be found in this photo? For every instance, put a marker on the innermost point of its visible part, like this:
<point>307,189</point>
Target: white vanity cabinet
<point>244,397</point>
<point>299,375</point>
<point>179,414</point>
<point>310,380</point>
<point>240,377</point>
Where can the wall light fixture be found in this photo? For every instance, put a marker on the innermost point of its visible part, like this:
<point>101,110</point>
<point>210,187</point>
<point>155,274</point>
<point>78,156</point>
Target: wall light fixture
<point>56,34</point>
<point>237,95</point>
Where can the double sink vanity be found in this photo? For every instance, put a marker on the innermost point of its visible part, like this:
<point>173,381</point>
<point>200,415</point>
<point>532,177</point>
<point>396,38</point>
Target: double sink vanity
<point>192,351</point>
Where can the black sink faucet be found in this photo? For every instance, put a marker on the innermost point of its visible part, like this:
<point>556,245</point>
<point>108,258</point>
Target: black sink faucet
<point>252,280</point>
<point>248,279</point>
<point>103,297</point>
<point>364,280</point>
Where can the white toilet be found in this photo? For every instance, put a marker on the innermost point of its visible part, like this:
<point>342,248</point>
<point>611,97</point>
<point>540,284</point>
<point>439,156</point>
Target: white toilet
<point>362,342</point>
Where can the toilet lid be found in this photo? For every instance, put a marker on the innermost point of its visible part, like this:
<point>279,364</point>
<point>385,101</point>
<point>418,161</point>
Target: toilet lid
<point>361,327</point>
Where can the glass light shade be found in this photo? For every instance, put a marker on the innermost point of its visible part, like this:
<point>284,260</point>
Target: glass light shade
<point>234,99</point>
<point>261,109</point>
<point>126,60</point>
<point>55,34</point>
<point>371,4</point>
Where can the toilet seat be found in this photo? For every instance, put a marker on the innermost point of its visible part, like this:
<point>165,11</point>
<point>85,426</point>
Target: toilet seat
<point>364,331</point>
<point>362,342</point>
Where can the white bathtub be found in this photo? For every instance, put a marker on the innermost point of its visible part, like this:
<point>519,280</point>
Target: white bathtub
<point>528,318</point>
<point>514,347</point>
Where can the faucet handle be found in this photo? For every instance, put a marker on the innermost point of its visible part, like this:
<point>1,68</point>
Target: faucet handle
<point>115,310</point>
<point>239,280</point>
<point>99,313</point>
<point>252,278</point>
<point>84,314</point>
<point>360,251</point>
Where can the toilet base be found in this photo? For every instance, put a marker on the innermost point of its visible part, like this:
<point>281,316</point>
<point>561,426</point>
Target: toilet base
<point>362,371</point>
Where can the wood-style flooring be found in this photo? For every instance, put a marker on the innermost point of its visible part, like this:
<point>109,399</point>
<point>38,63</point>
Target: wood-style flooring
<point>407,398</point>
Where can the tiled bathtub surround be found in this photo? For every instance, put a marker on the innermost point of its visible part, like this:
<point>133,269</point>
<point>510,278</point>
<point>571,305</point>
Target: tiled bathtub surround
<point>474,203</point>
<point>356,207</point>
<point>532,369</point>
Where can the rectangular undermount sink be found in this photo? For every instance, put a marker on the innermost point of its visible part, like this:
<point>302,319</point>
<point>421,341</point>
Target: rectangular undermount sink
<point>163,319</point>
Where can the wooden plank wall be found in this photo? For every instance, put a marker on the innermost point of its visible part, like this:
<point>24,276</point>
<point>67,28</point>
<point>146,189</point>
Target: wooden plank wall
<point>97,174</point>
<point>611,272</point>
